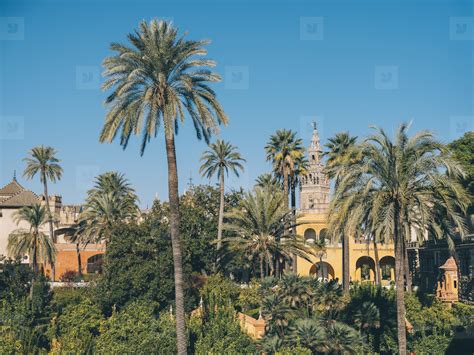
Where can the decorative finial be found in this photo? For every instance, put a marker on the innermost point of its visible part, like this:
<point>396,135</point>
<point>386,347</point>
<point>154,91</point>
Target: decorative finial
<point>315,126</point>
<point>190,183</point>
<point>14,175</point>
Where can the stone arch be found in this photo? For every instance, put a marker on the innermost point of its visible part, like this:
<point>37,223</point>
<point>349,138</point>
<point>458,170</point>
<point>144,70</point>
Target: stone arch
<point>94,264</point>
<point>387,268</point>
<point>310,235</point>
<point>365,269</point>
<point>322,270</point>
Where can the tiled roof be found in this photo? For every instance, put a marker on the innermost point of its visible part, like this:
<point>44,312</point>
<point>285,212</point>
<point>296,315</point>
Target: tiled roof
<point>23,198</point>
<point>11,189</point>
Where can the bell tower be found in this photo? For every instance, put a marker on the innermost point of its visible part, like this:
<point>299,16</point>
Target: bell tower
<point>314,187</point>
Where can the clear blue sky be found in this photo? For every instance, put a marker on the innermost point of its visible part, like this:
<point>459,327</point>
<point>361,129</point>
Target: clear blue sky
<point>350,64</point>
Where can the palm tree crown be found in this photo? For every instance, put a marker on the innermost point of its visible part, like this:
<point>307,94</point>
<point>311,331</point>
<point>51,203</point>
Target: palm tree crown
<point>32,241</point>
<point>283,150</point>
<point>157,79</point>
<point>43,161</point>
<point>221,157</point>
<point>258,228</point>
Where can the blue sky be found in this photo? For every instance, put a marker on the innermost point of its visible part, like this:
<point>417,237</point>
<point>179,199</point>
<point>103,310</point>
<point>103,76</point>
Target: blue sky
<point>346,64</point>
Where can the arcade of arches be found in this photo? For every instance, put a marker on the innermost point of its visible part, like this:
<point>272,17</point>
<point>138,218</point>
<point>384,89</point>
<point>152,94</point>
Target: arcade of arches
<point>328,264</point>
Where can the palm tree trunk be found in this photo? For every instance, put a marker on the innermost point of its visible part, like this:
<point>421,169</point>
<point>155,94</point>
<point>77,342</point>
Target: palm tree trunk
<point>285,186</point>
<point>79,262</point>
<point>345,263</point>
<point>221,209</point>
<point>261,268</point>
<point>175,240</point>
<point>293,197</point>
<point>50,217</point>
<point>400,286</point>
<point>378,275</point>
<point>406,266</point>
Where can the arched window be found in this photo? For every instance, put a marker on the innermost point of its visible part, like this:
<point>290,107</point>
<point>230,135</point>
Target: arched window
<point>94,264</point>
<point>310,235</point>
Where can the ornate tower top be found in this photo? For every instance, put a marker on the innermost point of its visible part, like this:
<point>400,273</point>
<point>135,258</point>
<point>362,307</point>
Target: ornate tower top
<point>314,187</point>
<point>314,150</point>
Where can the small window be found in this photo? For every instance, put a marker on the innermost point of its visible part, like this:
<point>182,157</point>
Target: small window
<point>1,213</point>
<point>455,284</point>
<point>313,157</point>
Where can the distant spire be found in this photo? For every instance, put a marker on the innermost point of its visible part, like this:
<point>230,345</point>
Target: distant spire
<point>14,175</point>
<point>190,181</point>
<point>314,148</point>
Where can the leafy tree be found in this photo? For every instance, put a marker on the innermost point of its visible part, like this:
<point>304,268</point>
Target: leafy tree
<point>76,328</point>
<point>42,160</point>
<point>309,334</point>
<point>340,148</point>
<point>462,150</point>
<point>394,185</point>
<point>138,266</point>
<point>15,280</point>
<point>136,329</point>
<point>219,159</point>
<point>154,81</point>
<point>32,241</point>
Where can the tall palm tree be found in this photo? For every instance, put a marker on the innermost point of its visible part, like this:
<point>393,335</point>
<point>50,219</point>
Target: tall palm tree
<point>32,241</point>
<point>155,81</point>
<point>258,230</point>
<point>220,158</point>
<point>283,150</point>
<point>339,149</point>
<point>110,201</point>
<point>42,160</point>
<point>400,182</point>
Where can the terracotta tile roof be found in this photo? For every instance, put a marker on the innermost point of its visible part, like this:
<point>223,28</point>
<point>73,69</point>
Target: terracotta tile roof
<point>11,189</point>
<point>23,198</point>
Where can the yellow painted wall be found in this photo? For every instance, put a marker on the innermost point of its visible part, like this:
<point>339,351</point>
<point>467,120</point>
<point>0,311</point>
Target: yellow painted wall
<point>333,255</point>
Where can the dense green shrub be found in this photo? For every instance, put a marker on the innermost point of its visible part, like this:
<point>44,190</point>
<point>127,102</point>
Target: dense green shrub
<point>135,329</point>
<point>76,328</point>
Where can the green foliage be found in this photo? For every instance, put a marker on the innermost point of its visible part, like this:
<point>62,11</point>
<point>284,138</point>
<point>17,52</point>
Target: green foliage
<point>432,344</point>
<point>223,335</point>
<point>138,266</point>
<point>464,314</point>
<point>136,329</point>
<point>463,151</point>
<point>76,328</point>
<point>24,321</point>
<point>15,279</point>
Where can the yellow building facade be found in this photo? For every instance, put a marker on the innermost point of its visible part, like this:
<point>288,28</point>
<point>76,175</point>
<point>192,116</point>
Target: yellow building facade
<point>312,225</point>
